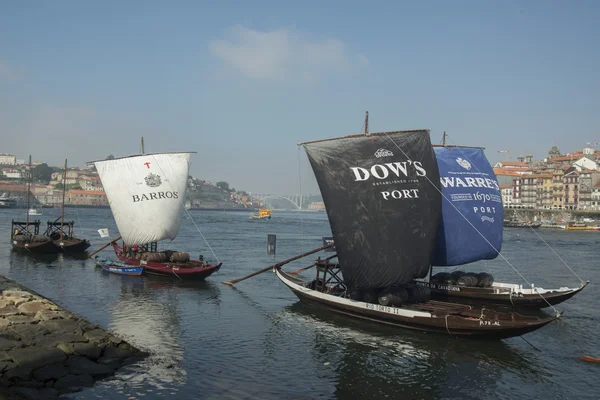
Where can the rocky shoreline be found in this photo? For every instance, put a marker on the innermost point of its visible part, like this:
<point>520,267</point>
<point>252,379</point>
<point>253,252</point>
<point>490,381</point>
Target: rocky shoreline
<point>46,351</point>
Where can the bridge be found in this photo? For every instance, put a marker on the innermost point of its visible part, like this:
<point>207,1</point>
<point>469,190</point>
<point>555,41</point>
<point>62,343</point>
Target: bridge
<point>295,200</point>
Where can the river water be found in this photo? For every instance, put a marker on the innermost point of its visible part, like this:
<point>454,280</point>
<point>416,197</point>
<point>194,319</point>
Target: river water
<point>256,341</point>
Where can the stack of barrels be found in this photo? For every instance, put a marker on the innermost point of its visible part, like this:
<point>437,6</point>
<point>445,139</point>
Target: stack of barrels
<point>461,278</point>
<point>393,296</point>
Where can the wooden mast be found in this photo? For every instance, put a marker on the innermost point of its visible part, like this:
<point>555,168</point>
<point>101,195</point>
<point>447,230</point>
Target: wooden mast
<point>62,218</point>
<point>28,190</point>
<point>142,145</point>
<point>367,123</point>
<point>444,139</point>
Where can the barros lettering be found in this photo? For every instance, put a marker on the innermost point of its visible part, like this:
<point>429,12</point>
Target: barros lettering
<point>155,196</point>
<point>382,171</point>
<point>469,182</point>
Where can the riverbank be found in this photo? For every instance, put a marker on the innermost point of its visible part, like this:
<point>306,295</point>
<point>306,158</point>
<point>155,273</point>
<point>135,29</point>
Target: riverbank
<point>46,351</point>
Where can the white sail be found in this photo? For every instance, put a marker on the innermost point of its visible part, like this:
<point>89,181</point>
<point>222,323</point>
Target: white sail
<point>146,194</point>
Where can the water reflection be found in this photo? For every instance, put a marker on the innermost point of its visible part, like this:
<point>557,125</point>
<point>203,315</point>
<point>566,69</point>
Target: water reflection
<point>372,361</point>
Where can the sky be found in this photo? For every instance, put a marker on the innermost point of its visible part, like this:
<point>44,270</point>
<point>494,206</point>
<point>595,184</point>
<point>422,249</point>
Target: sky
<point>241,83</point>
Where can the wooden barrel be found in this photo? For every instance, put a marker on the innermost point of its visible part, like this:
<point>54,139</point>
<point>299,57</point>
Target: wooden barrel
<point>356,294</point>
<point>180,256</point>
<point>467,280</point>
<point>441,277</point>
<point>456,275</point>
<point>393,297</point>
<point>370,296</point>
<point>484,279</point>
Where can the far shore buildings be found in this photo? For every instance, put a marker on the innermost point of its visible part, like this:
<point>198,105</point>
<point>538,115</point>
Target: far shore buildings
<point>561,181</point>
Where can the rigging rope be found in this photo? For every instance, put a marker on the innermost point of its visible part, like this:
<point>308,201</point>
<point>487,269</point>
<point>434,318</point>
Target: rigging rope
<point>182,201</point>
<point>477,230</point>
<point>300,201</point>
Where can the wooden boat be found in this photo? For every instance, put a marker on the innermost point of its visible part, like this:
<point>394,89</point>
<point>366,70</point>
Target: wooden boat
<point>61,232</point>
<point>25,235</point>
<point>519,224</point>
<point>33,211</point>
<point>263,213</point>
<point>147,194</point>
<point>116,267</point>
<point>190,269</point>
<point>471,229</point>
<point>383,200</point>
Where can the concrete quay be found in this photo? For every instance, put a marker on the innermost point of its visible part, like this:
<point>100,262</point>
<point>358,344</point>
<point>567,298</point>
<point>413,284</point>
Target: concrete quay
<point>46,351</point>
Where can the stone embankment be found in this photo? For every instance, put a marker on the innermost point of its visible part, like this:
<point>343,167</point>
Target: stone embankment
<point>46,351</point>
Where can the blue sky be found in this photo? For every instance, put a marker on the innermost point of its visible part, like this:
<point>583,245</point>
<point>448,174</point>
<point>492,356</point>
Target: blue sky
<point>242,82</point>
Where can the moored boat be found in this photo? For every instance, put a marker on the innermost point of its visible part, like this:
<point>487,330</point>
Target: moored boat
<point>263,213</point>
<point>118,268</point>
<point>521,224</point>
<point>146,193</point>
<point>383,200</point>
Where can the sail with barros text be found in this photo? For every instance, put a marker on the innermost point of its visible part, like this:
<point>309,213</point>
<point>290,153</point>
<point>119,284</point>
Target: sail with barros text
<point>146,194</point>
<point>472,213</point>
<point>381,192</point>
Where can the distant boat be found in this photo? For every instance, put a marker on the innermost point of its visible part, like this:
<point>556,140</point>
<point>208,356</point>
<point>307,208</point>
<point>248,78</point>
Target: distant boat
<point>580,226</point>
<point>146,193</point>
<point>33,211</point>
<point>519,224</point>
<point>7,202</point>
<point>61,232</point>
<point>263,213</point>
<point>24,235</point>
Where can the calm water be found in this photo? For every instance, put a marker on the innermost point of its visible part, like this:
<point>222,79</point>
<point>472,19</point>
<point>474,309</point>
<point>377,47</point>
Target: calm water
<point>256,341</point>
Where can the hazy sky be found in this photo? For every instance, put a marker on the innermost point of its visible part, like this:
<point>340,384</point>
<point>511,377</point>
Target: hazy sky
<point>242,82</point>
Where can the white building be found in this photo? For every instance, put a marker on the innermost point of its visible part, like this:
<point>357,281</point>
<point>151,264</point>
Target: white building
<point>8,159</point>
<point>585,163</point>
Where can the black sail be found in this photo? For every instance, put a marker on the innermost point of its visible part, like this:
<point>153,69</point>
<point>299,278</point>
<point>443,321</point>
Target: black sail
<point>383,200</point>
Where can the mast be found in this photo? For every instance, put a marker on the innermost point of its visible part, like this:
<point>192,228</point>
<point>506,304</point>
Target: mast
<point>367,123</point>
<point>143,145</point>
<point>62,218</point>
<point>28,190</point>
<point>444,139</point>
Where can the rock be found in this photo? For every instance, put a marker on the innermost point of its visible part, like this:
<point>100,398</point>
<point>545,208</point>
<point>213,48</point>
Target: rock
<point>86,326</point>
<point>47,315</point>
<point>32,307</point>
<point>53,340</point>
<point>89,350</point>
<point>9,310</point>
<point>4,323</point>
<point>60,326</point>
<point>19,373</point>
<point>52,371</point>
<point>7,344</point>
<point>116,352</point>
<point>114,339</point>
<point>37,394</point>
<point>29,332</point>
<point>6,302</point>
<point>6,365</point>
<point>82,366</point>
<point>95,335</point>
<point>35,357</point>
<point>31,384</point>
<point>4,356</point>
<point>20,319</point>
<point>10,335</point>
<point>73,382</point>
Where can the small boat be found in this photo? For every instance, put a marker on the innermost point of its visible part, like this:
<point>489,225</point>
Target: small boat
<point>521,224</point>
<point>471,230</point>
<point>383,200</point>
<point>7,202</point>
<point>263,213</point>
<point>25,235</point>
<point>146,193</point>
<point>33,211</point>
<point>119,268</point>
<point>61,232</point>
<point>581,226</point>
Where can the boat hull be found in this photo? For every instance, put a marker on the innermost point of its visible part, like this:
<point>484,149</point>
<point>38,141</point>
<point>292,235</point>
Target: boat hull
<point>37,247</point>
<point>119,268</point>
<point>500,296</point>
<point>432,316</point>
<point>191,270</point>
<point>71,246</point>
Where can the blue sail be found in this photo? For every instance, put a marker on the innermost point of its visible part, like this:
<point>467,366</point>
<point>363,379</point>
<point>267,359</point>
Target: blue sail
<point>469,187</point>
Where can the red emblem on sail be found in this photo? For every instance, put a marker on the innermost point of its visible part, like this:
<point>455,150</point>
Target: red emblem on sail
<point>147,164</point>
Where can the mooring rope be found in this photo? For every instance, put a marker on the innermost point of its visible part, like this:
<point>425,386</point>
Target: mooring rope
<point>477,230</point>
<point>182,201</point>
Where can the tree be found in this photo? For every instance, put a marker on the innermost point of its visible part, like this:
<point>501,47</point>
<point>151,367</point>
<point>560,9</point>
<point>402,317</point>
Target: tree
<point>58,186</point>
<point>42,172</point>
<point>223,185</point>
<point>110,157</point>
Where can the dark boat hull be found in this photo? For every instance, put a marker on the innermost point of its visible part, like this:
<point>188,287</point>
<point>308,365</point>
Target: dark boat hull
<point>500,296</point>
<point>432,316</point>
<point>191,270</point>
<point>45,247</point>
<point>71,246</point>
